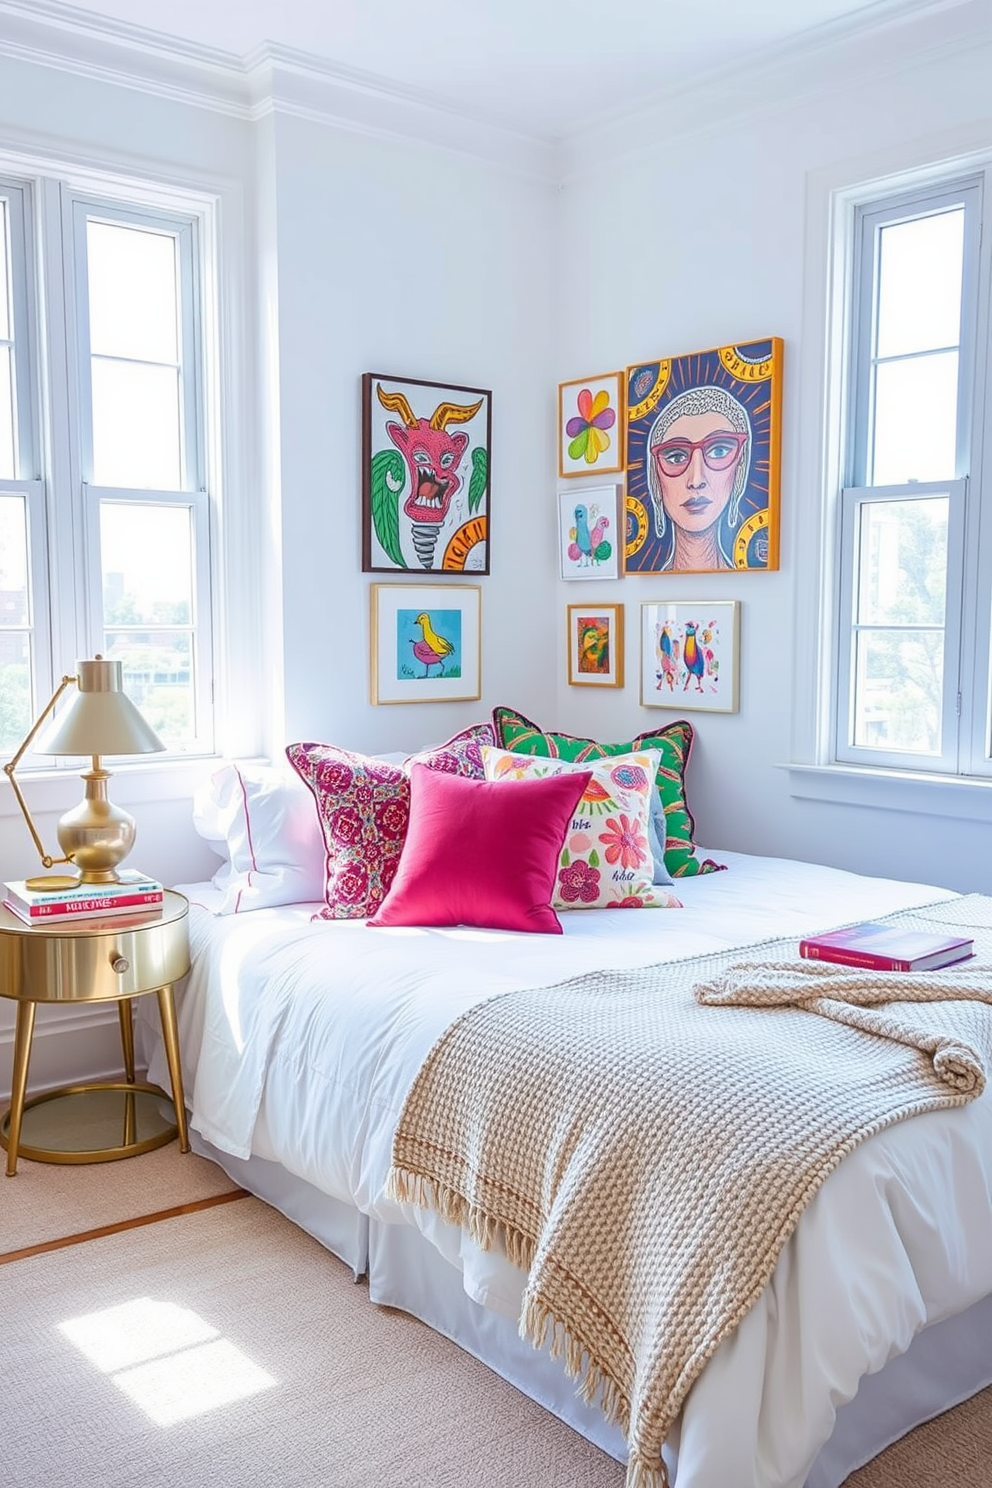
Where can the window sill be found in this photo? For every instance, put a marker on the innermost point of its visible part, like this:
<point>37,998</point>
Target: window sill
<point>130,785</point>
<point>893,790</point>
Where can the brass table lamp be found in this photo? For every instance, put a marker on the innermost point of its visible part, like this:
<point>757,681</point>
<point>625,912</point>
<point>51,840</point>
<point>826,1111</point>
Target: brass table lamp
<point>95,836</point>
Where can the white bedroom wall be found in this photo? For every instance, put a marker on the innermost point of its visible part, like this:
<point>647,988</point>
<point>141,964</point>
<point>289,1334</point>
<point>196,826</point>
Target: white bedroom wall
<point>699,238</point>
<point>400,258</point>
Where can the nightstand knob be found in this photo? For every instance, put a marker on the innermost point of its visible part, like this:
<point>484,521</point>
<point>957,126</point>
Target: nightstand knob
<point>120,964</point>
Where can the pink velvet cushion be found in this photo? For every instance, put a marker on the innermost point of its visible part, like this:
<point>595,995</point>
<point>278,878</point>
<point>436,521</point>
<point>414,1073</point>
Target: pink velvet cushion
<point>482,852</point>
<point>363,804</point>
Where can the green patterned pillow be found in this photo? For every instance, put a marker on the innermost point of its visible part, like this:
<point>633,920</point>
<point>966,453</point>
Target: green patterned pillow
<point>514,731</point>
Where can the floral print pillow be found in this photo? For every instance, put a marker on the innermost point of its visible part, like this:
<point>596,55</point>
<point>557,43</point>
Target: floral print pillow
<point>363,806</point>
<point>605,860</point>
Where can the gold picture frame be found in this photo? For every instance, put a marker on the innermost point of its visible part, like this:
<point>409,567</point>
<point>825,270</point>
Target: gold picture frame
<point>426,643</point>
<point>592,425</point>
<point>595,645</point>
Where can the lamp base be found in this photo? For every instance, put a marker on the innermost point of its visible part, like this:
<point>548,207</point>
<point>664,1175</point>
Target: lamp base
<point>43,882</point>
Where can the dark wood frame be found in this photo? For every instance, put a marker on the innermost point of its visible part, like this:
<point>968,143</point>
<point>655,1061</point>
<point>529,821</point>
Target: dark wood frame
<point>443,391</point>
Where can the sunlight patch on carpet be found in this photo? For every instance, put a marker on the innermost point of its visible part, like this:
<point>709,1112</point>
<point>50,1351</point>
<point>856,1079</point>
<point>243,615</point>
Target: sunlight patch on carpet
<point>167,1359</point>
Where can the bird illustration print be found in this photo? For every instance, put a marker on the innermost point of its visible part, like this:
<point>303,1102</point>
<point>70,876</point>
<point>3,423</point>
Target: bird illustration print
<point>692,657</point>
<point>587,545</point>
<point>434,648</point>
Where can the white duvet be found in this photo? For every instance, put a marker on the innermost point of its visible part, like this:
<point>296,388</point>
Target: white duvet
<point>300,1040</point>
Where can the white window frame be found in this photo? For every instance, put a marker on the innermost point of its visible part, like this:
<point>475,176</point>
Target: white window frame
<point>959,753</point>
<point>823,469</point>
<point>78,209</point>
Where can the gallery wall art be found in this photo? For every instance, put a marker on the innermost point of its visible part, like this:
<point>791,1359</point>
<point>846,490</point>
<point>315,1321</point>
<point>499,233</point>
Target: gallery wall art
<point>590,425</point>
<point>426,643</point>
<point>689,655</point>
<point>426,470</point>
<point>703,457</point>
<point>590,535</point>
<point>595,645</point>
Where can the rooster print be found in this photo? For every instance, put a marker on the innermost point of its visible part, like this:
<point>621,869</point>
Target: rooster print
<point>426,477</point>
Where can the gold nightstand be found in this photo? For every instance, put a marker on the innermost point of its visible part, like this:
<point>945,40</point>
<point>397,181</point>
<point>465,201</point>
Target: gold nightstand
<point>101,960</point>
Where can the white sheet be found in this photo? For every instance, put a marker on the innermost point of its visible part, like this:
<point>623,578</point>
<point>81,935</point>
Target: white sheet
<point>301,1039</point>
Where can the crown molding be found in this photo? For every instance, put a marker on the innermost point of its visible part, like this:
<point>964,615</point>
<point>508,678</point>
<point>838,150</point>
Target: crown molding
<point>282,81</point>
<point>832,59</point>
<point>292,83</point>
<point>271,79</point>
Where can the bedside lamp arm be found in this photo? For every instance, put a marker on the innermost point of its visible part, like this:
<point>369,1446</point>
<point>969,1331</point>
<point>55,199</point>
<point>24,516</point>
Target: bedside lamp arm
<point>8,770</point>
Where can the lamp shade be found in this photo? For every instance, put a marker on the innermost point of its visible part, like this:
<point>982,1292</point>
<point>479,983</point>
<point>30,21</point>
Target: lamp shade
<point>101,719</point>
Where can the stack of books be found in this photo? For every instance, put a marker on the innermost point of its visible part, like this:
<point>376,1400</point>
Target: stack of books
<point>886,948</point>
<point>133,894</point>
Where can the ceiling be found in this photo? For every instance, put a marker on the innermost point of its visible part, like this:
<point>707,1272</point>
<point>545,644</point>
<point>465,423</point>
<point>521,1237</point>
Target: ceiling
<point>542,67</point>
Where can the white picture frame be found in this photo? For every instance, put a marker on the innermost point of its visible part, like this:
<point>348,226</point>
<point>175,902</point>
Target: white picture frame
<point>690,651</point>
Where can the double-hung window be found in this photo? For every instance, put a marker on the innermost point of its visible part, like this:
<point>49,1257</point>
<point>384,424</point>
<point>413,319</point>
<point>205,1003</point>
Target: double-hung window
<point>915,594</point>
<point>104,508</point>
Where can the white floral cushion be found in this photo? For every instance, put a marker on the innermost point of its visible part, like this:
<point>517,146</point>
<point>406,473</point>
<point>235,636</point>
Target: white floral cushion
<point>605,860</point>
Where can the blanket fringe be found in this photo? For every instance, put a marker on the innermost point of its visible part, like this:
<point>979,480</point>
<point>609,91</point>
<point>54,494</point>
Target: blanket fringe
<point>641,1474</point>
<point>536,1321</point>
<point>488,1233</point>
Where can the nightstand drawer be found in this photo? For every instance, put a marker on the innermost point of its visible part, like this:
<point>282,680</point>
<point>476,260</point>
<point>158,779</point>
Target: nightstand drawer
<point>84,962</point>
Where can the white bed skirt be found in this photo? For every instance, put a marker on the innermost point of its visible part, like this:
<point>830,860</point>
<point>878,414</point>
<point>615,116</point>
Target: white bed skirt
<point>945,1363</point>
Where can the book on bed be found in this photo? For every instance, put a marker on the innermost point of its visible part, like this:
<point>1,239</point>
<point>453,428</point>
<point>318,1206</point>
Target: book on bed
<point>886,948</point>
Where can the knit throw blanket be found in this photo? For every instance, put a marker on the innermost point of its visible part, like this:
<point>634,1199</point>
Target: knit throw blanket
<point>644,1142</point>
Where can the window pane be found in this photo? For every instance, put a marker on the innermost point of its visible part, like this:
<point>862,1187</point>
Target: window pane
<point>4,274</point>
<point>916,411</point>
<point>902,572</point>
<point>133,293</point>
<point>899,679</point>
<point>7,470</point>
<point>15,640</point>
<point>13,562</point>
<point>147,556</point>
<point>136,426</point>
<point>919,298</point>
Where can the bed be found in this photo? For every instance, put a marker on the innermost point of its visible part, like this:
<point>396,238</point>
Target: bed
<point>300,1041</point>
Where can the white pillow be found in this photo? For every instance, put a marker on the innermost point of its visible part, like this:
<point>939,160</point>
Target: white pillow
<point>263,821</point>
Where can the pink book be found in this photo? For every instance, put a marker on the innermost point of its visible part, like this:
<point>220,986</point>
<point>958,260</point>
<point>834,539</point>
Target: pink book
<point>886,948</point>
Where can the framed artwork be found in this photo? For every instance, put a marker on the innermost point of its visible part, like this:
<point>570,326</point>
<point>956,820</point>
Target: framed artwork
<point>589,535</point>
<point>426,471</point>
<point>704,435</point>
<point>590,425</point>
<point>426,643</point>
<point>595,645</point>
<point>689,655</point>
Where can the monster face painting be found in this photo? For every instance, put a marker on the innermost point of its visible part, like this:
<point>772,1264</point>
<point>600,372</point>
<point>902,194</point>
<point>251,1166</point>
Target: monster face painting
<point>425,476</point>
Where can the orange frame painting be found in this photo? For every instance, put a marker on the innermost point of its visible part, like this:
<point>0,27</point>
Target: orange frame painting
<point>595,645</point>
<point>591,425</point>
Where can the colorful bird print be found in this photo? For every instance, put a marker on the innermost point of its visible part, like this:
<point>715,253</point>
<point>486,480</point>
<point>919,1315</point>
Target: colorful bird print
<point>692,657</point>
<point>433,648</point>
<point>588,545</point>
<point>580,547</point>
<point>667,658</point>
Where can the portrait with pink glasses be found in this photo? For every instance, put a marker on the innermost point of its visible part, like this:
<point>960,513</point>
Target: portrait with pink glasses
<point>702,461</point>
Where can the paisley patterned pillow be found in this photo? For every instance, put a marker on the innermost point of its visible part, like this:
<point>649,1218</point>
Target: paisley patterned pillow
<point>605,861</point>
<point>363,806</point>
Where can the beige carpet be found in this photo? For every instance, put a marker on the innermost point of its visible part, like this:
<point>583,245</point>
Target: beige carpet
<point>226,1348</point>
<point>46,1201</point>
